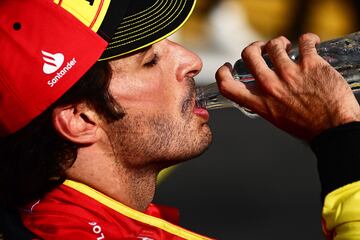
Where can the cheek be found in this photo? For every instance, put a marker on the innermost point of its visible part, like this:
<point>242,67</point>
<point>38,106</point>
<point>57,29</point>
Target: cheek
<point>142,94</point>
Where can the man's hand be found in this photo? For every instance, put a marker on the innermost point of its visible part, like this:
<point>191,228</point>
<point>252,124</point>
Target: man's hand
<point>302,98</point>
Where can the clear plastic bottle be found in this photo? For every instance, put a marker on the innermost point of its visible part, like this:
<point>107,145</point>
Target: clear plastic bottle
<point>342,53</point>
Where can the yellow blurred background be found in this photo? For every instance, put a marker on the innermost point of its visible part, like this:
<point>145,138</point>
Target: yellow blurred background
<point>220,29</point>
<point>270,18</point>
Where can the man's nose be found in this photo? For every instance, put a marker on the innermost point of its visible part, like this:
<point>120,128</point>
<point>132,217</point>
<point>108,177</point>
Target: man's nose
<point>194,64</point>
<point>188,63</point>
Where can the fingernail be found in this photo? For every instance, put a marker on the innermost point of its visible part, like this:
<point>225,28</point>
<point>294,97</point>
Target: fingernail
<point>228,65</point>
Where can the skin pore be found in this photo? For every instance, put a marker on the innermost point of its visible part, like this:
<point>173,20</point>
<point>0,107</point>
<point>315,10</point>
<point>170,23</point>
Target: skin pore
<point>156,89</point>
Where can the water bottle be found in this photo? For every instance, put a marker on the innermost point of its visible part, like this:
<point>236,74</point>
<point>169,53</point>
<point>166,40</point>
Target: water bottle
<point>342,53</point>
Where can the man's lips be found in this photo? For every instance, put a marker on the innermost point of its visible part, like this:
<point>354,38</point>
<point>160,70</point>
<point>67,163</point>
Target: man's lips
<point>201,112</point>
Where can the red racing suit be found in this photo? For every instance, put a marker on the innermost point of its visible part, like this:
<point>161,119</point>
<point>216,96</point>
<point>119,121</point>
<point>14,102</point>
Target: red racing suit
<point>76,211</point>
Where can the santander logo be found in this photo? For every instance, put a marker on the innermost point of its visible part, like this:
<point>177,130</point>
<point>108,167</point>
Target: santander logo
<point>52,62</point>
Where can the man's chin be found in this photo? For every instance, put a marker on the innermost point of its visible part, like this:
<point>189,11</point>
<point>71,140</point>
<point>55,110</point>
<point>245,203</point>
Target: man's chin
<point>193,151</point>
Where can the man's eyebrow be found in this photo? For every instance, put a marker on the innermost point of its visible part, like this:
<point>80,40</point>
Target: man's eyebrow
<point>136,54</point>
<point>143,51</point>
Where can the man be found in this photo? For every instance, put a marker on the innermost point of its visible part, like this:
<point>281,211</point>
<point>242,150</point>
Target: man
<point>113,130</point>
<point>83,141</point>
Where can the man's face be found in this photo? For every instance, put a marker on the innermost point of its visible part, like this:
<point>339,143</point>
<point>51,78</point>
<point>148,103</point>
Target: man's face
<point>162,126</point>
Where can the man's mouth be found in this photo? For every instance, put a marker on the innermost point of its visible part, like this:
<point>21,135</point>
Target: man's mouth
<point>199,109</point>
<point>201,112</point>
<point>192,102</point>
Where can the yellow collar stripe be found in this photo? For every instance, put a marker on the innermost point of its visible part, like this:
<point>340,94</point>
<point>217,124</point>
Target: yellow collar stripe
<point>133,214</point>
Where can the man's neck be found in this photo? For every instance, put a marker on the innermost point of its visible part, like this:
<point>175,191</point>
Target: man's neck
<point>134,187</point>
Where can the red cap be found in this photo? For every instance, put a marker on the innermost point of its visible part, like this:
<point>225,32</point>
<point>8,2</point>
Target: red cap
<point>48,45</point>
<point>42,57</point>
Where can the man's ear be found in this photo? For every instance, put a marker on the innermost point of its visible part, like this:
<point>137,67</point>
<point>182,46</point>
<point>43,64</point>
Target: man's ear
<point>77,123</point>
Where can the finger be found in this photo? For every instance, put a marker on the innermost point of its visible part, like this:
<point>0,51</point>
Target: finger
<point>307,43</point>
<point>277,50</point>
<point>252,56</point>
<point>236,90</point>
<point>266,78</point>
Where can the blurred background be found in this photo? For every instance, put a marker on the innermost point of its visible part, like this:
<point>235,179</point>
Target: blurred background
<point>255,181</point>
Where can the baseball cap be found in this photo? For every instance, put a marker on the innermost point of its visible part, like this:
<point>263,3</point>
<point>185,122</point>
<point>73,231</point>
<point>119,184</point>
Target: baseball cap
<point>48,45</point>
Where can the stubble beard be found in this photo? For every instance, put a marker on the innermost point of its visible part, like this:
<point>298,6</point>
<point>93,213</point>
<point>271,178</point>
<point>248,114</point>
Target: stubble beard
<point>157,141</point>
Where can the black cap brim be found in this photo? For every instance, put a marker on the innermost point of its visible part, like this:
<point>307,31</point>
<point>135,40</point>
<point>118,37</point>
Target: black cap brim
<point>145,23</point>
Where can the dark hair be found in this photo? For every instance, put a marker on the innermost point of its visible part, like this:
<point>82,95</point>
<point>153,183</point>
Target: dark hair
<point>34,159</point>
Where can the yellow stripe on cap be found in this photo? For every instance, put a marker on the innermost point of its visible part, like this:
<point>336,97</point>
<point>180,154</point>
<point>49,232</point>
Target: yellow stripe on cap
<point>90,12</point>
<point>116,44</point>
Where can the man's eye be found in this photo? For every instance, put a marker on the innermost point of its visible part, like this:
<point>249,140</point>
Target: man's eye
<point>152,62</point>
